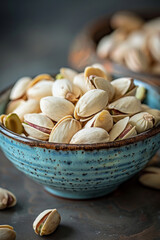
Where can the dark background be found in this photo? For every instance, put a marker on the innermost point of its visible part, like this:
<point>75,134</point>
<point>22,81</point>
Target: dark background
<point>35,36</point>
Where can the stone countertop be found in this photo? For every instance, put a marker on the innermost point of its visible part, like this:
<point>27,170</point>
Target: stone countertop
<point>132,212</point>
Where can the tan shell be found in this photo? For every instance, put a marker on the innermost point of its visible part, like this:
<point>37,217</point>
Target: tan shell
<point>118,117</point>
<point>68,73</point>
<point>7,199</point>
<point>118,128</point>
<point>40,77</point>
<point>126,20</point>
<point>142,121</point>
<point>90,103</point>
<point>136,60</point>
<point>151,177</point>
<point>12,105</point>
<point>7,232</point>
<point>122,87</point>
<point>64,130</point>
<point>101,67</point>
<point>29,106</point>
<point>101,83</point>
<point>40,89</point>
<point>56,107</point>
<point>102,119</point>
<point>105,46</point>
<point>20,88</point>
<point>80,82</point>
<point>119,52</point>
<point>94,71</point>
<point>144,107</point>
<point>65,89</point>
<point>156,114</point>
<point>154,45</point>
<point>90,135</point>
<point>152,26</point>
<point>38,126</point>
<point>156,68</point>
<point>13,123</point>
<point>50,219</point>
<point>128,105</point>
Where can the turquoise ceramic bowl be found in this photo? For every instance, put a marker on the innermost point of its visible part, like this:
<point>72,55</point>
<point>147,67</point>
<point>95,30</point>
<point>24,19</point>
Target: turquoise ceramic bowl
<point>81,171</point>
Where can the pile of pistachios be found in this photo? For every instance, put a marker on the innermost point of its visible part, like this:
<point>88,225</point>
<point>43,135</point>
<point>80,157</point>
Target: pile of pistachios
<point>78,108</point>
<point>133,42</point>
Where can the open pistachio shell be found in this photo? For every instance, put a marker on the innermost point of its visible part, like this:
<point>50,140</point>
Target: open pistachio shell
<point>90,135</point>
<point>56,107</point>
<point>64,130</point>
<point>145,107</point>
<point>151,177</point>
<point>129,105</point>
<point>118,117</point>
<point>29,106</point>
<point>156,114</point>
<point>105,46</point>
<point>7,232</point>
<point>129,131</point>
<point>90,103</point>
<point>40,77</point>
<point>40,89</point>
<point>7,199</point>
<point>47,222</point>
<point>68,73</point>
<point>102,119</point>
<point>80,82</point>
<point>94,71</point>
<point>122,87</point>
<point>142,121</point>
<point>38,126</point>
<point>12,105</point>
<point>118,128</point>
<point>101,67</point>
<point>20,88</point>
<point>13,123</point>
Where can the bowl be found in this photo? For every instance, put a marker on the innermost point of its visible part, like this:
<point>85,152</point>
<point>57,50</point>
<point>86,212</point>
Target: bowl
<point>86,170</point>
<point>83,49</point>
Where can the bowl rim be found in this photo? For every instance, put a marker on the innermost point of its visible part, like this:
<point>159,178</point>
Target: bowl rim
<point>63,146</point>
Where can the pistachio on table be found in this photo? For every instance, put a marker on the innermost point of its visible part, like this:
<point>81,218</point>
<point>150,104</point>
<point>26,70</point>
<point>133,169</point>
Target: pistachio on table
<point>151,177</point>
<point>47,222</point>
<point>7,232</point>
<point>7,199</point>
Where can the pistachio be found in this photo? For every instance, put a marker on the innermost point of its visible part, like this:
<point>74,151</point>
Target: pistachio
<point>12,105</point>
<point>13,123</point>
<point>101,67</point>
<point>144,107</point>
<point>156,114</point>
<point>29,106</point>
<point>142,121</point>
<point>94,72</point>
<point>7,199</point>
<point>7,232</point>
<point>64,130</point>
<point>105,46</point>
<point>141,93</point>
<point>40,77</point>
<point>129,105</point>
<point>38,126</point>
<point>90,135</point>
<point>47,222</point>
<point>40,89</point>
<point>102,119</point>
<point>19,89</point>
<point>68,73</point>
<point>80,82</point>
<point>90,103</point>
<point>154,46</point>
<point>151,177</point>
<point>152,26</point>
<point>56,107</point>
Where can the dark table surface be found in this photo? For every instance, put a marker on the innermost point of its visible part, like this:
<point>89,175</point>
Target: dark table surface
<point>132,212</point>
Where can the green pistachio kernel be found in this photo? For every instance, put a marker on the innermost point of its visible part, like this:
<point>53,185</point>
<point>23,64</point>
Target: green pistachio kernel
<point>59,76</point>
<point>13,123</point>
<point>141,93</point>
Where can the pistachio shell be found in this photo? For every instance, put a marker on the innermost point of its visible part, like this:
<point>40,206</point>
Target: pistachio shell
<point>122,86</point>
<point>40,77</point>
<point>156,114</point>
<point>102,119</point>
<point>101,67</point>
<point>94,71</point>
<point>2,117</point>
<point>7,232</point>
<point>154,46</point>
<point>68,73</point>
<point>144,107</point>
<point>151,177</point>
<point>29,106</point>
<point>47,222</point>
<point>40,89</point>
<point>142,121</point>
<point>129,133</point>
<point>152,26</point>
<point>80,82</point>
<point>12,105</point>
<point>119,52</point>
<point>7,199</point>
<point>129,105</point>
<point>105,46</point>
<point>13,123</point>
<point>90,135</point>
<point>118,128</point>
<point>90,103</point>
<point>56,107</point>
<point>64,130</point>
<point>116,118</point>
<point>20,88</point>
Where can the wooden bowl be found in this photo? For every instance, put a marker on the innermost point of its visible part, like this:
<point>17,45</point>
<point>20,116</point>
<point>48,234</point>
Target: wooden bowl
<point>83,50</point>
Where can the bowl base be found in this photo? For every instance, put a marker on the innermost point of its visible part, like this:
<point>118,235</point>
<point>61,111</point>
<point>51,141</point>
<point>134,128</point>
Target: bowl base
<point>79,195</point>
